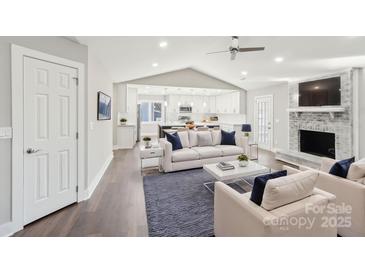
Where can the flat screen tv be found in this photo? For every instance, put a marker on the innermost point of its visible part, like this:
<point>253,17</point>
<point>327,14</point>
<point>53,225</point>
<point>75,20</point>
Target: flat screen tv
<point>324,92</point>
<point>104,106</point>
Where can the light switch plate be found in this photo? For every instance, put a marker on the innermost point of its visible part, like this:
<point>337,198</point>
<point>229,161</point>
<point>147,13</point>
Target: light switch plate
<point>6,133</point>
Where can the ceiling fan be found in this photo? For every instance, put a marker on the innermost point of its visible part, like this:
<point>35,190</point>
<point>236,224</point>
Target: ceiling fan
<point>234,48</point>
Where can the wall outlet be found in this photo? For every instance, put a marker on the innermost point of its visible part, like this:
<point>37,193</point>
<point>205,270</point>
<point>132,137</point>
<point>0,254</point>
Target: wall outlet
<point>6,133</point>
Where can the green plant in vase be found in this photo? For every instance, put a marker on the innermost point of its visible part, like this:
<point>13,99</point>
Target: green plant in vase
<point>147,141</point>
<point>242,160</point>
<point>123,121</point>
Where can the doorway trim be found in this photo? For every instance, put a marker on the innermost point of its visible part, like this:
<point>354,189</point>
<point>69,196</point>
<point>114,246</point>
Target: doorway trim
<point>17,75</point>
<point>271,96</point>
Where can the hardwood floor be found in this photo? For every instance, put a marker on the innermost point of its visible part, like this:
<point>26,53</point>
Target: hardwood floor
<point>117,206</point>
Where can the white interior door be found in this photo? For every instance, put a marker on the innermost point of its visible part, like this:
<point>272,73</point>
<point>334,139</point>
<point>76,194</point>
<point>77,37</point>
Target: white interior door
<point>50,143</point>
<point>263,121</point>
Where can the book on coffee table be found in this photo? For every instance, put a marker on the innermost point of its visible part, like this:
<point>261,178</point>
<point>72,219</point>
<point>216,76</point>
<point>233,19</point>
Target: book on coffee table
<point>225,166</point>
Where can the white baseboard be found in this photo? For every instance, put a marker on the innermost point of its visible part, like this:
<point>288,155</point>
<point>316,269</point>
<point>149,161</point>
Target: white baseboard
<point>94,183</point>
<point>8,229</point>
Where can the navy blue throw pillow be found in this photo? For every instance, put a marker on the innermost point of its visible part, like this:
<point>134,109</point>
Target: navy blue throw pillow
<point>260,184</point>
<point>341,168</point>
<point>174,139</point>
<point>228,138</point>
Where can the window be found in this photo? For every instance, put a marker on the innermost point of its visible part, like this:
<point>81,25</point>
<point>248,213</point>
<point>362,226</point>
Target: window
<point>151,112</point>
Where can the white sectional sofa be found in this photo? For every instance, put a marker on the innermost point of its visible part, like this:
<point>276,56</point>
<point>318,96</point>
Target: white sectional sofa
<point>194,156</point>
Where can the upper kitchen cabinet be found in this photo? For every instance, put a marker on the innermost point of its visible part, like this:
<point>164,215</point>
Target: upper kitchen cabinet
<point>121,97</point>
<point>230,103</point>
<point>212,104</point>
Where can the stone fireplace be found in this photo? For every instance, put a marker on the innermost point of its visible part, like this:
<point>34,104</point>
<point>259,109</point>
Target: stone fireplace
<point>317,143</point>
<point>338,127</point>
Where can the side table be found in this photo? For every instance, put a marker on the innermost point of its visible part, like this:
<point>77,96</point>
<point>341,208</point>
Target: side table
<point>150,153</point>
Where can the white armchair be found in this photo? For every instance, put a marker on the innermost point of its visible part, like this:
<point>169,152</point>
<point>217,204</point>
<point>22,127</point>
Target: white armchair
<point>348,193</point>
<point>236,215</point>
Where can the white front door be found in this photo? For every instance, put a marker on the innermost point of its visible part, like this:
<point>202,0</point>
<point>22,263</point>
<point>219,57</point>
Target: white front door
<point>263,121</point>
<point>50,143</point>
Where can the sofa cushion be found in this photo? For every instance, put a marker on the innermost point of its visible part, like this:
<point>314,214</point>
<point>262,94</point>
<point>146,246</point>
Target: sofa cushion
<point>230,150</point>
<point>207,152</point>
<point>326,164</point>
<point>193,138</point>
<point>260,183</point>
<point>341,168</point>
<point>288,189</point>
<point>217,137</point>
<point>174,139</point>
<point>228,138</point>
<point>184,154</point>
<point>205,138</point>
<point>357,170</point>
<point>184,138</point>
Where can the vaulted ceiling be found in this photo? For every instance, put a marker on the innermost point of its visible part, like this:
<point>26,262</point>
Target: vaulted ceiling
<point>129,58</point>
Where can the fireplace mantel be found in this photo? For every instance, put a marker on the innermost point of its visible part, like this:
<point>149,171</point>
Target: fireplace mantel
<point>330,109</point>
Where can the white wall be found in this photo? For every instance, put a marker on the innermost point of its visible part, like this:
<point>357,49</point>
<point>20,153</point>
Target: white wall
<point>52,45</point>
<point>281,117</point>
<point>362,113</point>
<point>100,138</point>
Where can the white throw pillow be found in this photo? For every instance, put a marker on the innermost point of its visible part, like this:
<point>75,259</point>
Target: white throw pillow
<point>184,138</point>
<point>326,164</point>
<point>193,138</point>
<point>357,170</point>
<point>288,189</point>
<point>217,137</point>
<point>205,138</point>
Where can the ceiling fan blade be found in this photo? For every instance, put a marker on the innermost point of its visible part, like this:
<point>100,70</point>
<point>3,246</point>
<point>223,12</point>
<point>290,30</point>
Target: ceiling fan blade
<point>251,49</point>
<point>214,52</point>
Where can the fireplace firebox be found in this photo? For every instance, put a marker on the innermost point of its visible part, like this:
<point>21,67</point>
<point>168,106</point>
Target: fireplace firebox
<point>317,143</point>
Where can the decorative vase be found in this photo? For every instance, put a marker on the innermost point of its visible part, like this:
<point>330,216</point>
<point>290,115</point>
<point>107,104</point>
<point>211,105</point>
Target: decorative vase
<point>243,163</point>
<point>123,123</point>
<point>147,144</point>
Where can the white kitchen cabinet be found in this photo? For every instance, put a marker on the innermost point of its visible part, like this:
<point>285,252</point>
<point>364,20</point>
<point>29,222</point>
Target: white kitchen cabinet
<point>197,106</point>
<point>212,104</point>
<point>228,103</point>
<point>235,102</point>
<point>121,92</point>
<point>126,136</point>
<point>205,104</point>
<point>132,105</point>
<point>173,103</point>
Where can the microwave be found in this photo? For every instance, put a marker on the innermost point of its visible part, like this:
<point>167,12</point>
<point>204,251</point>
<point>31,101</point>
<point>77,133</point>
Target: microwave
<point>185,109</point>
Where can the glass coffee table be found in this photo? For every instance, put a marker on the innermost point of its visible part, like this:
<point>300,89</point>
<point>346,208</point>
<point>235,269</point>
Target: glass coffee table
<point>238,173</point>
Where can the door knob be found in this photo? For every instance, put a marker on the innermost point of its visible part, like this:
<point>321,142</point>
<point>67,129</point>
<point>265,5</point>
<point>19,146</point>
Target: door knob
<point>32,150</point>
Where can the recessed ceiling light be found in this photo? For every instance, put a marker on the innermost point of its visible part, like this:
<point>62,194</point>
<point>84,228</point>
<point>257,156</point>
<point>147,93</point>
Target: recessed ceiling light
<point>316,87</point>
<point>163,44</point>
<point>279,59</point>
<point>244,73</point>
<point>155,65</point>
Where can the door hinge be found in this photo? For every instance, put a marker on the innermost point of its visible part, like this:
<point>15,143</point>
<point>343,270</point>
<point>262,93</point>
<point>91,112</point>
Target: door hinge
<point>77,80</point>
<point>77,188</point>
<point>77,135</point>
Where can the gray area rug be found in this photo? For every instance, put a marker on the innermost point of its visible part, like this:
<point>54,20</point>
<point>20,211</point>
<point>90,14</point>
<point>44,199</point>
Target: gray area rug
<point>178,204</point>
